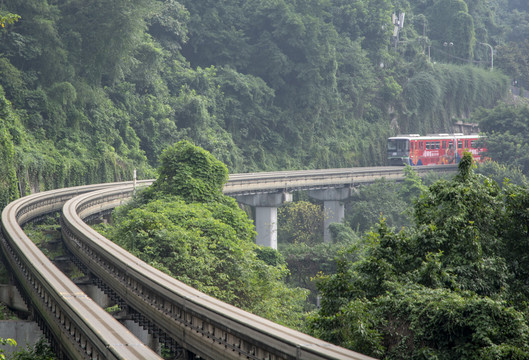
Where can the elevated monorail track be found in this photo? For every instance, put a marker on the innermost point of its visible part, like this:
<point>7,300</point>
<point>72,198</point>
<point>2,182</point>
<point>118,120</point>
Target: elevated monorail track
<point>199,323</point>
<point>171,310</point>
<point>77,326</point>
<point>288,181</point>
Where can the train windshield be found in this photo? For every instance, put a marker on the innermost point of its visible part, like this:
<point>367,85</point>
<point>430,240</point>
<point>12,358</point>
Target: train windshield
<point>398,145</point>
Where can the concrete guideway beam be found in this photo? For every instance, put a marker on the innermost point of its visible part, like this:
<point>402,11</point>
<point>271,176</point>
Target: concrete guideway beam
<point>265,215</point>
<point>333,206</point>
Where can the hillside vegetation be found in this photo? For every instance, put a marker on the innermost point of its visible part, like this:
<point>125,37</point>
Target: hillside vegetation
<point>92,90</point>
<point>451,285</point>
<point>184,226</point>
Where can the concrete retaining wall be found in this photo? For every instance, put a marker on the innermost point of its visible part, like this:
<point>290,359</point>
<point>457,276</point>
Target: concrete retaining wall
<point>24,332</point>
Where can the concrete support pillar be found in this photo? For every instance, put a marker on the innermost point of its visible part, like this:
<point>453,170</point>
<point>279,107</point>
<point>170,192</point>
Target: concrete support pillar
<point>333,212</point>
<point>10,296</point>
<point>333,207</point>
<point>25,333</point>
<point>143,335</point>
<point>265,215</point>
<point>266,226</point>
<point>96,294</point>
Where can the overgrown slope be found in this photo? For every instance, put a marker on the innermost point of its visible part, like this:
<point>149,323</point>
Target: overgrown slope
<point>98,89</point>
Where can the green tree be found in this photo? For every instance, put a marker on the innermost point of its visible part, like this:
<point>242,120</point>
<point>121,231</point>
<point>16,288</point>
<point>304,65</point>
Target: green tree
<point>443,288</point>
<point>517,24</point>
<point>34,44</point>
<point>191,173</point>
<point>300,222</point>
<point>185,226</point>
<point>506,127</point>
<point>513,59</point>
<point>463,36</point>
<point>502,174</point>
<point>516,239</point>
<point>169,26</point>
<point>369,203</point>
<point>306,262</point>
<point>105,36</point>
<point>4,342</point>
<point>441,15</point>
<point>367,21</point>
<point>40,351</point>
<point>7,18</point>
<point>8,176</point>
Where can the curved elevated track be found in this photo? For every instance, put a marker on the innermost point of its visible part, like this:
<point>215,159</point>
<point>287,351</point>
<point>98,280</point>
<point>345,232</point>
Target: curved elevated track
<point>177,314</point>
<point>77,326</point>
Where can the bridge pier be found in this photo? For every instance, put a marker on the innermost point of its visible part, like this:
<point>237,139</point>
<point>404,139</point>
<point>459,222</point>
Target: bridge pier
<point>333,206</point>
<point>10,296</point>
<point>104,300</point>
<point>24,332</point>
<point>96,294</point>
<point>265,215</point>
<point>143,335</point>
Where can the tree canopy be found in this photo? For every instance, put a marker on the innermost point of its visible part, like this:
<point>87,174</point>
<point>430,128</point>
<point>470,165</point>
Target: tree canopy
<point>450,286</point>
<point>190,173</point>
<point>185,226</point>
<point>262,85</point>
<point>92,90</point>
<point>507,128</point>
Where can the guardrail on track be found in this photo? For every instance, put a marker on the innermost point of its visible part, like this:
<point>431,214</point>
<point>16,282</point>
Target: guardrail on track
<point>77,326</point>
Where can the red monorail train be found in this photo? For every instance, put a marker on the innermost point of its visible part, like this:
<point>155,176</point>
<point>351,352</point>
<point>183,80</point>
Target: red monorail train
<point>435,149</point>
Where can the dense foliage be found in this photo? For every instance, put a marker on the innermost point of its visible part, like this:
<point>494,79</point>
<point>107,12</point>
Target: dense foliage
<point>507,129</point>
<point>96,90</point>
<point>306,261</point>
<point>300,222</point>
<point>91,90</point>
<point>300,227</point>
<point>453,285</point>
<point>186,227</point>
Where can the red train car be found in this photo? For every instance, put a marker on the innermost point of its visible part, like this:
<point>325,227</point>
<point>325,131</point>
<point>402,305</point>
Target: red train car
<point>436,149</point>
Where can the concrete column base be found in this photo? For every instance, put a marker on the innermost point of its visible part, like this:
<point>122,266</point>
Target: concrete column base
<point>143,335</point>
<point>97,295</point>
<point>266,226</point>
<point>22,331</point>
<point>333,207</point>
<point>333,212</point>
<point>265,215</point>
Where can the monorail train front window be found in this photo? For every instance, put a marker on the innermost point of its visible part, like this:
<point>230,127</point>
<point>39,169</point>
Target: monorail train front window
<point>399,145</point>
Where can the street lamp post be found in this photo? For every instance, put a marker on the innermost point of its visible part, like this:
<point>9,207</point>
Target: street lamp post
<point>491,55</point>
